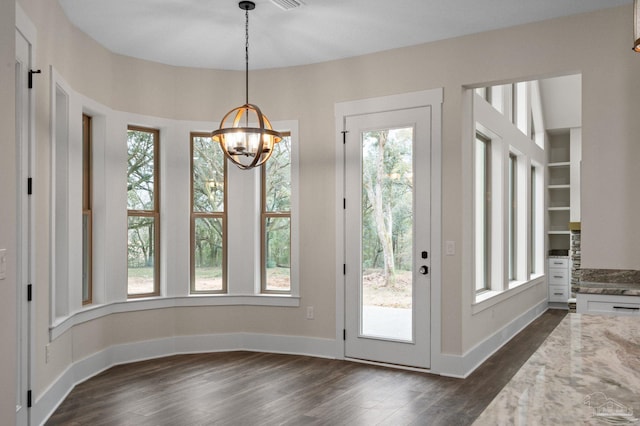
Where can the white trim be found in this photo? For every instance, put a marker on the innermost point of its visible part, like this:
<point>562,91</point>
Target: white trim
<point>462,366</point>
<point>25,256</point>
<point>91,312</point>
<point>432,98</point>
<point>81,370</point>
<point>94,364</point>
<point>490,298</point>
<point>27,28</point>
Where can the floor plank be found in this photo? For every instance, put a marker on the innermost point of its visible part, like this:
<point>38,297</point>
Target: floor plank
<point>248,388</point>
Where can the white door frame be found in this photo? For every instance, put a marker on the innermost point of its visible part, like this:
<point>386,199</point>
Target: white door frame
<point>432,98</point>
<point>26,231</point>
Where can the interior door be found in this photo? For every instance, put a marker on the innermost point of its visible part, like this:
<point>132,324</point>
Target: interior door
<point>387,240</point>
<point>23,146</point>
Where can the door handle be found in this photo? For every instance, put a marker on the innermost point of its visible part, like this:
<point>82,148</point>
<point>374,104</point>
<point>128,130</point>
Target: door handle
<point>424,270</point>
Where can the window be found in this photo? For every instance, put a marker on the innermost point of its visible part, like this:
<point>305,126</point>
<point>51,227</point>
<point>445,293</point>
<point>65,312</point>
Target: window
<point>143,212</point>
<point>482,170</point>
<point>513,214</point>
<point>276,220</point>
<point>87,216</point>
<point>208,216</point>
<point>507,221</point>
<point>532,222</point>
<point>521,107</point>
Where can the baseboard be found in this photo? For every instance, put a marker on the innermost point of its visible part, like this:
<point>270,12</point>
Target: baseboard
<point>461,366</point>
<point>88,367</point>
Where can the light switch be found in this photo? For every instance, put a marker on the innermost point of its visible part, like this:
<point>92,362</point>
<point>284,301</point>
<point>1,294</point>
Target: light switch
<point>3,264</point>
<point>450,248</point>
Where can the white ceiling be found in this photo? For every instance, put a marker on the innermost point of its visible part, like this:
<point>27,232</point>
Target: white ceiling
<point>210,33</point>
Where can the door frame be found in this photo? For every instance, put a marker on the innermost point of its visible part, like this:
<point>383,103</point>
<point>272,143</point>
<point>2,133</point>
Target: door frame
<point>26,212</point>
<point>432,98</point>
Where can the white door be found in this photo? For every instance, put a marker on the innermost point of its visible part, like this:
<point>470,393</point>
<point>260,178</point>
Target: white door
<point>387,237</point>
<point>23,146</point>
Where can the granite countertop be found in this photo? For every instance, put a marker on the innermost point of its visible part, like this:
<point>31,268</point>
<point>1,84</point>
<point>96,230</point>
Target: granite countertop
<point>619,289</point>
<point>585,372</point>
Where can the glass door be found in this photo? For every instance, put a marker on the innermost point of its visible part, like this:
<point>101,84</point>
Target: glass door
<point>387,243</point>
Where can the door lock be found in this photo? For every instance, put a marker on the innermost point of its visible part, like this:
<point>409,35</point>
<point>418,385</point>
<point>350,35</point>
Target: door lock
<point>424,270</point>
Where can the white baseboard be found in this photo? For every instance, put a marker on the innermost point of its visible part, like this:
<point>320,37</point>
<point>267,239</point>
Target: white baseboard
<point>461,366</point>
<point>88,367</point>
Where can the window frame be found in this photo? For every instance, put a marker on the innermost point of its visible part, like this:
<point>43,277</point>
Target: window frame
<point>486,205</point>
<point>155,214</point>
<point>87,211</point>
<point>264,215</point>
<point>512,189</point>
<point>206,215</point>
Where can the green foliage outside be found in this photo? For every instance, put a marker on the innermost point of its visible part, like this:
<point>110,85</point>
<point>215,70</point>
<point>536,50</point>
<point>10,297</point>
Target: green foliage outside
<point>387,202</point>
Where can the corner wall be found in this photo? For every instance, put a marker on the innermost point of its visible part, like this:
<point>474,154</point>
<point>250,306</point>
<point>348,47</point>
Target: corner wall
<point>8,222</point>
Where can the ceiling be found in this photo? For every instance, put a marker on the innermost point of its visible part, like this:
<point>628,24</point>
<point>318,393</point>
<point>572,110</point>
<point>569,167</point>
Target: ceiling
<point>210,33</point>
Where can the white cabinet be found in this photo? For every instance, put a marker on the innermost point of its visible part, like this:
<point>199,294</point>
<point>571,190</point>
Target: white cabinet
<point>605,304</point>
<point>559,279</point>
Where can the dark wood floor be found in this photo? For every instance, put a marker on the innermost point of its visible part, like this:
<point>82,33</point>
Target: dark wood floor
<point>247,388</point>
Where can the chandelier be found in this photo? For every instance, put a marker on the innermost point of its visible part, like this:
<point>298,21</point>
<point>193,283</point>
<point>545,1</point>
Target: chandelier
<point>245,134</point>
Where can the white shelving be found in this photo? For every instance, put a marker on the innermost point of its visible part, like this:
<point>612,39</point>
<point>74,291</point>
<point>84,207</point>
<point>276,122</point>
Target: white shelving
<point>559,190</point>
<point>563,196</point>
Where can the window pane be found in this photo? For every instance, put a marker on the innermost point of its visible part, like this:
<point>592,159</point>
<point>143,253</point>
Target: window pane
<point>481,189</point>
<point>208,254</point>
<point>86,257</point>
<point>278,253</point>
<point>512,216</point>
<point>141,255</point>
<point>278,178</point>
<point>387,285</point>
<point>532,223</point>
<point>521,107</point>
<point>208,176</point>
<point>86,211</point>
<point>141,164</point>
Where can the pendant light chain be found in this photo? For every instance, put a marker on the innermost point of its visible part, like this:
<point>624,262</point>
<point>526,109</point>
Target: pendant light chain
<point>246,55</point>
<point>247,147</point>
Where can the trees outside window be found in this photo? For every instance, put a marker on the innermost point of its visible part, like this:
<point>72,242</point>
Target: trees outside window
<point>276,219</point>
<point>87,214</point>
<point>208,216</point>
<point>387,203</point>
<point>143,211</point>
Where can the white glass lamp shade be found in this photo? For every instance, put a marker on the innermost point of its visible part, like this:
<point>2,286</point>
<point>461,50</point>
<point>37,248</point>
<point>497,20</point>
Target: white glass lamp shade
<point>247,147</point>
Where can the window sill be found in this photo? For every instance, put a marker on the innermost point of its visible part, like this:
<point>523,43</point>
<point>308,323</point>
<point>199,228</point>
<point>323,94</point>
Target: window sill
<point>91,312</point>
<point>491,298</point>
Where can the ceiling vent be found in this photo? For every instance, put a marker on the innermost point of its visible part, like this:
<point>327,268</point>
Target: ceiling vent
<point>287,4</point>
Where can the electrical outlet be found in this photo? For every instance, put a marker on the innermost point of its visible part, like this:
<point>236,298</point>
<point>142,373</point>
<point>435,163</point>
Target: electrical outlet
<point>47,353</point>
<point>309,312</point>
<point>450,248</point>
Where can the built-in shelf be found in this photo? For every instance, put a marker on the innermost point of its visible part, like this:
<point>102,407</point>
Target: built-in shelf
<point>559,189</point>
